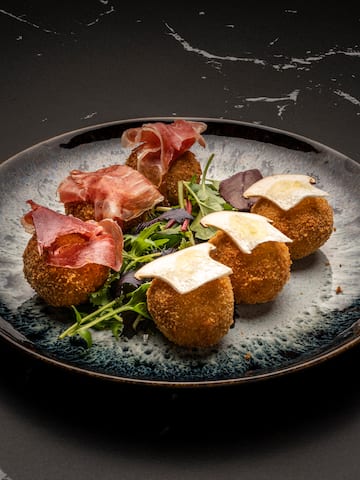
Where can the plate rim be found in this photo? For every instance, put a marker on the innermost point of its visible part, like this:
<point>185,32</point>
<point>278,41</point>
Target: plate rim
<point>145,119</point>
<point>262,376</point>
<point>316,359</point>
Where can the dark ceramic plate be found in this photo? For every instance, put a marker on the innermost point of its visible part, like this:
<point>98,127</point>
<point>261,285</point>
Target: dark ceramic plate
<point>315,317</point>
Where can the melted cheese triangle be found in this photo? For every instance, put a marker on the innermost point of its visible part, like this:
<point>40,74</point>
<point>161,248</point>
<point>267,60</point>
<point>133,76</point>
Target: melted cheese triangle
<point>286,190</point>
<point>187,269</point>
<point>247,230</point>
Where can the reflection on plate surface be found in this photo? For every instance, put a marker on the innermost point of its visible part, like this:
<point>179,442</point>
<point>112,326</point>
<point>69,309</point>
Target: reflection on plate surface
<point>308,322</point>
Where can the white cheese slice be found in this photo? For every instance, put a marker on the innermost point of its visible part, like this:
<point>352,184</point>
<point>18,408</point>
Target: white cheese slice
<point>247,230</point>
<point>285,190</point>
<point>186,269</point>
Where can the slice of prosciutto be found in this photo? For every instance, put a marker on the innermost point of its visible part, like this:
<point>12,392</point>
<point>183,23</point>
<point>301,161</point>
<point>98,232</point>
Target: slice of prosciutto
<point>103,245</point>
<point>118,192</point>
<point>159,144</point>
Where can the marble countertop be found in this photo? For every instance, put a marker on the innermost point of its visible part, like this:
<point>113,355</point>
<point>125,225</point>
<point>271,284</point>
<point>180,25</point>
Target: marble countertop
<point>292,66</point>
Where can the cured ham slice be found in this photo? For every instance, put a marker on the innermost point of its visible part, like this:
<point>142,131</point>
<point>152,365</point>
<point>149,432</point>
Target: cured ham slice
<point>103,240</point>
<point>118,192</point>
<point>159,144</point>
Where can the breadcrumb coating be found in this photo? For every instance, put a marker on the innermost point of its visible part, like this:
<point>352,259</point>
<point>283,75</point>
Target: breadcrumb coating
<point>200,318</point>
<point>83,210</point>
<point>309,224</point>
<point>86,211</point>
<point>60,286</point>
<point>184,168</point>
<point>257,277</point>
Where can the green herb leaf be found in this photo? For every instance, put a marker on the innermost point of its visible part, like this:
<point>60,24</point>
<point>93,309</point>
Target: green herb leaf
<point>86,335</point>
<point>103,296</point>
<point>205,199</point>
<point>109,315</point>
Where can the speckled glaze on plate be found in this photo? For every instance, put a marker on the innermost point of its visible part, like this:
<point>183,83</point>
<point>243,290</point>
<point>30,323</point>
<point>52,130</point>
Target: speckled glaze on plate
<point>315,317</point>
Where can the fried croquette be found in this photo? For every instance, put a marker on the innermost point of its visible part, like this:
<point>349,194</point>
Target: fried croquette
<point>257,277</point>
<point>309,224</point>
<point>60,286</point>
<point>185,167</point>
<point>199,318</point>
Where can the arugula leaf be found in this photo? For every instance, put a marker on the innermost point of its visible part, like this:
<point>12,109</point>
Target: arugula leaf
<point>151,242</point>
<point>103,295</point>
<point>205,198</point>
<point>109,316</point>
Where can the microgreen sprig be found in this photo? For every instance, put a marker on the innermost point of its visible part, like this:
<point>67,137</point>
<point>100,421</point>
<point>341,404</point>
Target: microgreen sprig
<point>205,198</point>
<point>109,315</point>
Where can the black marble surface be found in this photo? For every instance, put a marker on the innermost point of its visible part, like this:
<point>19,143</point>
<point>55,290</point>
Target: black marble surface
<point>291,65</point>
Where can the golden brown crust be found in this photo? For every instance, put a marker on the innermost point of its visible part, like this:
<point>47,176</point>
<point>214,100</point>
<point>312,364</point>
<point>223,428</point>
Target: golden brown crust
<point>196,319</point>
<point>257,277</point>
<point>184,168</point>
<point>309,224</point>
<point>132,159</point>
<point>86,211</point>
<point>59,286</point>
<point>83,210</point>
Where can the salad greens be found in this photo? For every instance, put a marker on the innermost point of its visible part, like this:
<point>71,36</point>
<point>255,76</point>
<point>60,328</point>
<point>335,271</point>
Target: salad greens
<point>122,299</point>
<point>205,198</point>
<point>109,315</point>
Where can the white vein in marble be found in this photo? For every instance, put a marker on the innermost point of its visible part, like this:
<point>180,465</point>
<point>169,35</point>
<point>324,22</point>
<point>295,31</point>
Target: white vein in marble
<point>102,14</point>
<point>186,45</point>
<point>4,476</point>
<point>283,63</point>
<point>28,22</point>
<point>347,97</point>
